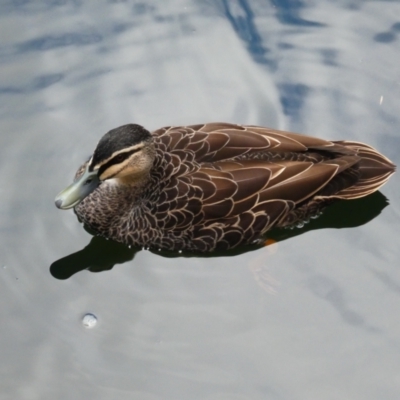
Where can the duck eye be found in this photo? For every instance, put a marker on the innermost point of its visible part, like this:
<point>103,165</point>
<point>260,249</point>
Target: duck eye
<point>119,158</point>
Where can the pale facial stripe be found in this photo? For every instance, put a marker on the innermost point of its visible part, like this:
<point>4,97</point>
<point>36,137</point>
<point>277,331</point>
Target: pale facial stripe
<point>117,163</point>
<point>129,150</point>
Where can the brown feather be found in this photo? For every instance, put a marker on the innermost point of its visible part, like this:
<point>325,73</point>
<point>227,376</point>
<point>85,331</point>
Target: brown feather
<point>219,185</point>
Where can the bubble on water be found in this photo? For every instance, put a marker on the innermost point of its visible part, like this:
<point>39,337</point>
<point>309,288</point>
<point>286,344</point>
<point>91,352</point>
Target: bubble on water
<point>89,320</point>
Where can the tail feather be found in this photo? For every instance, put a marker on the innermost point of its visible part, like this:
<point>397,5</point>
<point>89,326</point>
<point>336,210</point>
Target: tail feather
<point>374,168</point>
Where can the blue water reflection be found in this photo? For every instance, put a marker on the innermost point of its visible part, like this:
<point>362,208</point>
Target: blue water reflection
<point>241,16</point>
<point>54,42</point>
<point>38,83</point>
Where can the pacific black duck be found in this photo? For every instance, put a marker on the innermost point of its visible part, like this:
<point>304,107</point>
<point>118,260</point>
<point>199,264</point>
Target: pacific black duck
<point>214,186</point>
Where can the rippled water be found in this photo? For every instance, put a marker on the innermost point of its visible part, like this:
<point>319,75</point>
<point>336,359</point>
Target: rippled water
<point>313,316</point>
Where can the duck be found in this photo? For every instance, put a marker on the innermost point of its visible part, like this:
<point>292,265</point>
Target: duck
<point>214,186</point>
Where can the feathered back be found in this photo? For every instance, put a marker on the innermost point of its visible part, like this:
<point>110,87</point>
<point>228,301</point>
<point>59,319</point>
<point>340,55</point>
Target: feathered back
<point>218,185</point>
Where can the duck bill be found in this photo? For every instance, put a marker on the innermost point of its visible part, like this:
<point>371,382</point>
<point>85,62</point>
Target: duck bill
<point>77,191</point>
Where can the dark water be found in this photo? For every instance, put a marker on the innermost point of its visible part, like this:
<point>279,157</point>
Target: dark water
<point>313,316</point>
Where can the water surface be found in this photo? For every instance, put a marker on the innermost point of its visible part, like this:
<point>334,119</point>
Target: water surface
<point>314,316</point>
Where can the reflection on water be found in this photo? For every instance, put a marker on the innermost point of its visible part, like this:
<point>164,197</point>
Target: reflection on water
<point>195,327</point>
<point>390,35</point>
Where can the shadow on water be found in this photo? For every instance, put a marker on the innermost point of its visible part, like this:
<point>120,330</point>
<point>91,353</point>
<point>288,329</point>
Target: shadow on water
<point>102,254</point>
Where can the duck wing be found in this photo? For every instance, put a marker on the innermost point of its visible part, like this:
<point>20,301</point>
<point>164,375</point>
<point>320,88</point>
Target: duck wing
<point>250,169</point>
<point>221,141</point>
<point>231,188</point>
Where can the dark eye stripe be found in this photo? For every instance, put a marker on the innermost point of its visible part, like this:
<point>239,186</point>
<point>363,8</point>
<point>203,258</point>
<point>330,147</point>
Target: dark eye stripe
<point>119,158</point>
